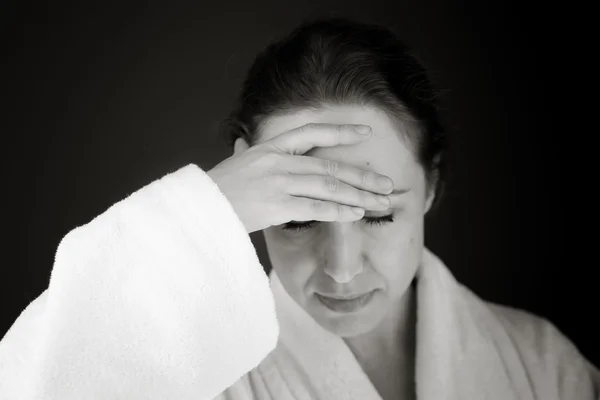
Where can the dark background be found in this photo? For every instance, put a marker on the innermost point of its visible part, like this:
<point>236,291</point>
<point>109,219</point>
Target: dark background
<point>104,99</point>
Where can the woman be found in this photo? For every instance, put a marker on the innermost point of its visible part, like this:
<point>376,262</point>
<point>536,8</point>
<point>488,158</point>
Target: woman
<point>338,157</point>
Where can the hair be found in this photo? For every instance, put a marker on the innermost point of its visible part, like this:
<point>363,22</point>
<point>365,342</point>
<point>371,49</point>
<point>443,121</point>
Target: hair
<point>339,61</point>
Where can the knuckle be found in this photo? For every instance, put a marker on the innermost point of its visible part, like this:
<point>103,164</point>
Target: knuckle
<point>364,176</point>
<point>317,205</point>
<point>271,158</point>
<point>279,180</point>
<point>364,196</point>
<point>307,127</point>
<point>331,167</point>
<point>339,133</point>
<point>331,184</point>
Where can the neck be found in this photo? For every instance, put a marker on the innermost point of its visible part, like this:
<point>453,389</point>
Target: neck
<point>393,341</point>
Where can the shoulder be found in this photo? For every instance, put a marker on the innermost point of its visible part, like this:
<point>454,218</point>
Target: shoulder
<point>548,355</point>
<point>530,329</point>
<point>530,332</point>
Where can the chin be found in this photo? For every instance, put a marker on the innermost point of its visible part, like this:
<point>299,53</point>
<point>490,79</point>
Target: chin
<point>348,329</point>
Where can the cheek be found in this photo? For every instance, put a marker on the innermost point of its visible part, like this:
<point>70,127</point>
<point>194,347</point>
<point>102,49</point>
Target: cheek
<point>393,250</point>
<point>292,258</point>
<point>396,252</point>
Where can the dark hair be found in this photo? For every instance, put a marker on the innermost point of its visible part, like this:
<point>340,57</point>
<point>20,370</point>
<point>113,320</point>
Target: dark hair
<point>338,61</point>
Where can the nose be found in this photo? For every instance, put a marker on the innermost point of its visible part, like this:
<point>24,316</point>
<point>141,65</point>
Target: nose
<point>342,275</point>
<point>342,254</point>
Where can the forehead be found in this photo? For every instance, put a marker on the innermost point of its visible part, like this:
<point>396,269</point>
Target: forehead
<point>386,152</point>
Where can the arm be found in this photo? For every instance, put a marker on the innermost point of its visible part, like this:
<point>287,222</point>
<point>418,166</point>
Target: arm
<point>161,296</point>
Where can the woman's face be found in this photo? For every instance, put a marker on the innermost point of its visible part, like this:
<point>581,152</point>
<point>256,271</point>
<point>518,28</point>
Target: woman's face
<point>376,257</point>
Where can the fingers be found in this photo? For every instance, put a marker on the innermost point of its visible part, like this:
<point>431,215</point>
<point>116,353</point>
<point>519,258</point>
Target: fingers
<point>310,209</point>
<point>362,179</point>
<point>306,137</point>
<point>306,209</point>
<point>329,188</point>
<point>398,199</point>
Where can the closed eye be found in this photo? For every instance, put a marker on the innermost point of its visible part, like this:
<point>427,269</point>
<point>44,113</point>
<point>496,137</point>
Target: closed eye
<point>303,226</point>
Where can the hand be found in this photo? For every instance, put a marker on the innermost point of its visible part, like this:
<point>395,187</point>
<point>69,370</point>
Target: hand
<point>272,183</point>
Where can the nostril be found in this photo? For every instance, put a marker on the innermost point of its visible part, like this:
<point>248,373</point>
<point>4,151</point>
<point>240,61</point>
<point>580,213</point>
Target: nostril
<point>342,274</point>
<point>341,278</point>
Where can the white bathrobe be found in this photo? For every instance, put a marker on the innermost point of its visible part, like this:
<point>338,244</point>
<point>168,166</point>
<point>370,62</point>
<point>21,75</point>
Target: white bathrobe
<point>163,297</point>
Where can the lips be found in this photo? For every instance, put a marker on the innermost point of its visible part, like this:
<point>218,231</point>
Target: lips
<point>345,304</point>
<point>348,297</point>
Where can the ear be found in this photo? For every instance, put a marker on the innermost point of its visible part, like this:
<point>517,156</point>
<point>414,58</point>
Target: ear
<point>430,198</point>
<point>431,190</point>
<point>240,146</point>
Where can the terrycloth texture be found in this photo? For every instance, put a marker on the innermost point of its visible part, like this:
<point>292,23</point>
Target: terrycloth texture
<point>467,349</point>
<point>163,297</point>
<point>160,297</point>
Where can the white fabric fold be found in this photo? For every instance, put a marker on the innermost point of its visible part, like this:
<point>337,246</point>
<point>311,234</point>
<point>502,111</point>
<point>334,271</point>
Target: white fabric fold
<point>163,297</point>
<point>467,348</point>
<point>160,297</point>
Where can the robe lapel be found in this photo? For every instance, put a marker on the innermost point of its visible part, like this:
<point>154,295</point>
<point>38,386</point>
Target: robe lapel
<point>327,361</point>
<point>456,357</point>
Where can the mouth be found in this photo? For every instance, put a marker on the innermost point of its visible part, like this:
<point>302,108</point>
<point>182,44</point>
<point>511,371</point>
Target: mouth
<point>345,304</point>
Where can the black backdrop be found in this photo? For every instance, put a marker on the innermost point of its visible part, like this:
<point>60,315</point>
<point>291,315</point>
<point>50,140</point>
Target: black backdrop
<point>103,100</point>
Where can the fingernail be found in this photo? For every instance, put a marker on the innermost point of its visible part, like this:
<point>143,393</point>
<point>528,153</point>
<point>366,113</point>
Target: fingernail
<point>363,129</point>
<point>384,201</point>
<point>385,183</point>
<point>358,211</point>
